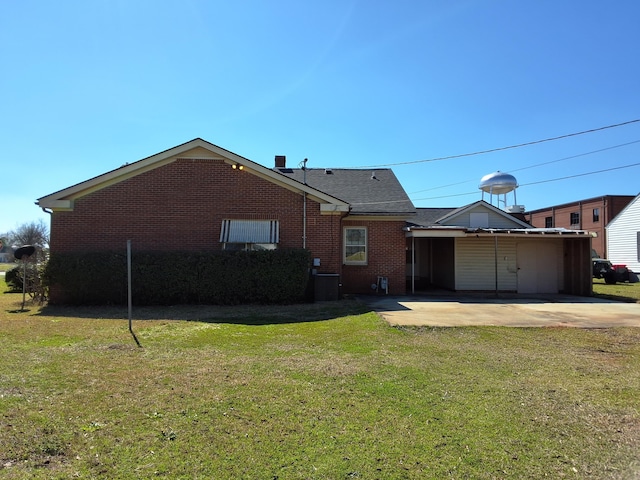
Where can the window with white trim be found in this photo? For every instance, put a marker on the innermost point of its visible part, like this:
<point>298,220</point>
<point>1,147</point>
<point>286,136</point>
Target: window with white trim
<point>249,234</point>
<point>355,246</point>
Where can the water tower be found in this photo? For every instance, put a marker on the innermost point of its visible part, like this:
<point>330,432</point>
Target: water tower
<point>499,184</point>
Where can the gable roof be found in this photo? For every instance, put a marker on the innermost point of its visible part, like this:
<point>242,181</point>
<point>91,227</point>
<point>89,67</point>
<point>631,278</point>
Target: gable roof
<point>448,215</point>
<point>426,217</point>
<point>196,148</point>
<point>368,192</point>
<point>441,222</point>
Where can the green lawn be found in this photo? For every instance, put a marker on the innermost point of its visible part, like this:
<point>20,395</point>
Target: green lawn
<point>323,391</point>
<point>5,267</point>
<point>624,291</point>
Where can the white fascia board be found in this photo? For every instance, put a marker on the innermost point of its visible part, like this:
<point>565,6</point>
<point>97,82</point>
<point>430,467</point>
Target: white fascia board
<point>333,208</point>
<point>377,218</point>
<point>436,233</point>
<point>57,205</point>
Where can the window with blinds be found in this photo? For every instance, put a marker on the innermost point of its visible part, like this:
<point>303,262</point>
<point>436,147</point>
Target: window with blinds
<point>250,234</point>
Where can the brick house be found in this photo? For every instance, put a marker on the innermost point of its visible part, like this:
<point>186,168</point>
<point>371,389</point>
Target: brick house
<point>592,214</point>
<point>358,224</point>
<point>198,196</point>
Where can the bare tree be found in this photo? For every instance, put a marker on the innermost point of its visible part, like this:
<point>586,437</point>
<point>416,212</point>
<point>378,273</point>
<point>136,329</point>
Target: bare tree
<point>29,275</point>
<point>33,233</point>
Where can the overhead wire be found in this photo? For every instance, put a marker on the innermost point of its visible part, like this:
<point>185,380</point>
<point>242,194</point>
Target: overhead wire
<point>482,152</point>
<point>541,181</point>
<point>535,165</point>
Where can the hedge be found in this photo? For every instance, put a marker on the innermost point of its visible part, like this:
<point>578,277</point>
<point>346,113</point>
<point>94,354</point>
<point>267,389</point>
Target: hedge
<point>170,278</point>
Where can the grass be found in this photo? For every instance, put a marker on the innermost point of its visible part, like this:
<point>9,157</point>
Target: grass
<point>323,391</point>
<point>4,267</point>
<point>622,292</point>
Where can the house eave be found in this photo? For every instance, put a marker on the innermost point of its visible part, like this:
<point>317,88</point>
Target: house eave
<point>377,216</point>
<point>195,149</point>
<point>434,232</point>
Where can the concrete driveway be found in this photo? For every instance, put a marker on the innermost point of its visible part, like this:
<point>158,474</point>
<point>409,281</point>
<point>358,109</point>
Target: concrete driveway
<point>506,310</point>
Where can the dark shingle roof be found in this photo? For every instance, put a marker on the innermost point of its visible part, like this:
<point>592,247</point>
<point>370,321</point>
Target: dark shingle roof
<point>426,217</point>
<point>372,192</point>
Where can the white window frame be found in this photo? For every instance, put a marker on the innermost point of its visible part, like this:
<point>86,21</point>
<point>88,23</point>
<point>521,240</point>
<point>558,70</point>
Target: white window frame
<point>365,246</point>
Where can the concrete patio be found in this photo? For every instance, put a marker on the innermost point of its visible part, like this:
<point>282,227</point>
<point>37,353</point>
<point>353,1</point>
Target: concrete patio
<point>505,310</point>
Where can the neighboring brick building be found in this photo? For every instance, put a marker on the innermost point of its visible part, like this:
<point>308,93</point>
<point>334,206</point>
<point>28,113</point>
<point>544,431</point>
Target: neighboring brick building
<point>592,214</point>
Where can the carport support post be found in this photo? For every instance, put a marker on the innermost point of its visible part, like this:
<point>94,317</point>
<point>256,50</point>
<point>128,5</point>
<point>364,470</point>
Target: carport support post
<point>495,257</point>
<point>413,265</point>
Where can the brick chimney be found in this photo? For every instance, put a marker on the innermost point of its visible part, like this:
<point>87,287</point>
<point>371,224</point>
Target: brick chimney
<point>281,161</point>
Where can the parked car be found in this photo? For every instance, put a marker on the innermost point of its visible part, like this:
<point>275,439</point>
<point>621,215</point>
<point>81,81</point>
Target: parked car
<point>604,269</point>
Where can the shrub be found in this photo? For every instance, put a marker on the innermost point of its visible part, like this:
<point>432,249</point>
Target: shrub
<point>163,278</point>
<point>13,279</point>
<point>35,286</point>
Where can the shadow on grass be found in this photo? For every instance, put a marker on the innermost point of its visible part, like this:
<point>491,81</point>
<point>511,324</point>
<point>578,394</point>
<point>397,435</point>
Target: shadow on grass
<point>240,314</point>
<point>615,298</point>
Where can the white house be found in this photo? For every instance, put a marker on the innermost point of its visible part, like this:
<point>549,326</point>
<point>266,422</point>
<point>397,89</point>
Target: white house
<point>623,237</point>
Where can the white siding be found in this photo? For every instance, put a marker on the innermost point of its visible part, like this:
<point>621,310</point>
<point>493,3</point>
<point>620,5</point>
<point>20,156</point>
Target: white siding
<point>622,237</point>
<point>475,264</point>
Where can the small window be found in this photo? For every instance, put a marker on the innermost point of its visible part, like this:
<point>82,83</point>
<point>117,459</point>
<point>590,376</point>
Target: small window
<point>575,219</point>
<point>355,246</point>
<point>548,222</point>
<point>596,215</point>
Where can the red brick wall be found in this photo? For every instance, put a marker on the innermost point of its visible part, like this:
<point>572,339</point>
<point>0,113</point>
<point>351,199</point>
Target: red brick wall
<point>180,206</point>
<point>609,207</point>
<point>385,257</point>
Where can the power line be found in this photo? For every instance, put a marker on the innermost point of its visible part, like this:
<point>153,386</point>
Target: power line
<point>581,174</point>
<point>482,152</point>
<point>539,182</point>
<point>535,165</point>
<point>576,156</point>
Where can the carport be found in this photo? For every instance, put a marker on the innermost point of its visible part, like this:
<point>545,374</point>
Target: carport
<point>499,260</point>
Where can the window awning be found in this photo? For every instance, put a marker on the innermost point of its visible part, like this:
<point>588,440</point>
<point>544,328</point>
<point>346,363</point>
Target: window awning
<point>250,231</point>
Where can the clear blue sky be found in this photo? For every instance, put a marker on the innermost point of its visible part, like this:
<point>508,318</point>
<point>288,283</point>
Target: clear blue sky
<point>88,85</point>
